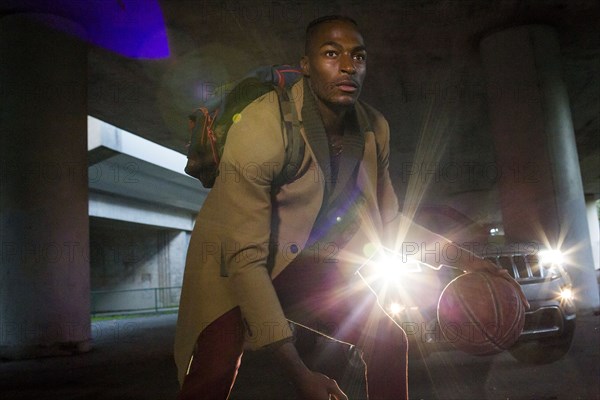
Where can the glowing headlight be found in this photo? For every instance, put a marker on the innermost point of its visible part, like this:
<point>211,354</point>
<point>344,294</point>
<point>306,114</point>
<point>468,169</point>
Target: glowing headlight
<point>566,294</point>
<point>396,308</point>
<point>391,266</point>
<point>550,257</point>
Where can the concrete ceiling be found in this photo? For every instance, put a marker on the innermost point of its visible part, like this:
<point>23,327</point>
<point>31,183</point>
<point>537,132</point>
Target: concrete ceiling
<point>418,50</point>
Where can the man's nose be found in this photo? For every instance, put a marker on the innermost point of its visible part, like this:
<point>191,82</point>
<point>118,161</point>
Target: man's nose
<point>347,64</point>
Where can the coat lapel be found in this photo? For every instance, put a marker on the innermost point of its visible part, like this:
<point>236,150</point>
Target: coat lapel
<point>315,135</point>
<point>353,142</point>
<point>354,146</point>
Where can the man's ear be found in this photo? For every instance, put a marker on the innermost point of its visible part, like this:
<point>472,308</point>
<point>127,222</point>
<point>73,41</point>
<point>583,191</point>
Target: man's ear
<point>304,65</point>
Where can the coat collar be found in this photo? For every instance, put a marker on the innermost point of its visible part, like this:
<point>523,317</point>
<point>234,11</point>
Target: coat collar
<point>353,142</point>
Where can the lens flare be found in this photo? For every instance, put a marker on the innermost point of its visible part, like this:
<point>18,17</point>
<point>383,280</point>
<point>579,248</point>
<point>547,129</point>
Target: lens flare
<point>130,28</point>
<point>395,308</point>
<point>369,249</point>
<point>551,257</point>
<point>566,294</point>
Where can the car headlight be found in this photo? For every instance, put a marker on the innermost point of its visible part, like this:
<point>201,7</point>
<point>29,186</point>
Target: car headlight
<point>552,261</point>
<point>395,308</point>
<point>566,294</point>
<point>392,266</point>
<point>548,258</point>
<point>399,281</point>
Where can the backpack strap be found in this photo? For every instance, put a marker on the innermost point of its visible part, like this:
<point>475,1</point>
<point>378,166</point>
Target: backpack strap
<point>294,151</point>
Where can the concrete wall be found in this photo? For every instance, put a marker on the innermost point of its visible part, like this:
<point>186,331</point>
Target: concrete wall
<point>132,265</point>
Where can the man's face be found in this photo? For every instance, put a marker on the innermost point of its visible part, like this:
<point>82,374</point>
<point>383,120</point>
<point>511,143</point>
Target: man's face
<point>336,63</point>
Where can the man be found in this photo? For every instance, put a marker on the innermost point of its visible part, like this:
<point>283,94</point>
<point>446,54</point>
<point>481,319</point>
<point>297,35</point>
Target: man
<point>261,256</point>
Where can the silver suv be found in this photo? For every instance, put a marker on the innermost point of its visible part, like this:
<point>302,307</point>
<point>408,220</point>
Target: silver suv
<point>412,295</point>
<point>550,321</point>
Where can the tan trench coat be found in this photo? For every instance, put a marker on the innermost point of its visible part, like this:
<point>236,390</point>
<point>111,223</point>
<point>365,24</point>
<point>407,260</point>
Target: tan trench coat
<point>227,256</point>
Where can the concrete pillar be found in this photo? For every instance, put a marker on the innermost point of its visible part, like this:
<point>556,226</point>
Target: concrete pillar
<point>44,227</point>
<point>541,191</point>
<point>163,264</point>
<point>594,224</point>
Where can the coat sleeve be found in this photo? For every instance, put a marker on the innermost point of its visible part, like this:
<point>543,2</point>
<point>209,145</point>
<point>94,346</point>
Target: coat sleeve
<point>252,157</point>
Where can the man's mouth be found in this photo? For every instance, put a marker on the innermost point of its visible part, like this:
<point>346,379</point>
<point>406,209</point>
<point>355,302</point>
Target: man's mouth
<point>347,85</point>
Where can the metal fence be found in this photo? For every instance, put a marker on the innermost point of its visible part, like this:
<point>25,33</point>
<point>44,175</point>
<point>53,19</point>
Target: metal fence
<point>135,300</point>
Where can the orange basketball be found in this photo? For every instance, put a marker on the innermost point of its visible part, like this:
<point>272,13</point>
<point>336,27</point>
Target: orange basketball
<point>480,313</point>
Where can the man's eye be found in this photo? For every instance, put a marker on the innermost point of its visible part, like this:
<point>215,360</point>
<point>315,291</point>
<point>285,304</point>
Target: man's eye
<point>360,57</point>
<point>330,53</point>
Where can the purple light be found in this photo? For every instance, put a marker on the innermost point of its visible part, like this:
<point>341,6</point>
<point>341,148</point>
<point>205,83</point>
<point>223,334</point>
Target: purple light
<point>132,28</point>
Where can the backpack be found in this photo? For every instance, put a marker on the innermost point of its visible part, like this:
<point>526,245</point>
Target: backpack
<point>209,124</point>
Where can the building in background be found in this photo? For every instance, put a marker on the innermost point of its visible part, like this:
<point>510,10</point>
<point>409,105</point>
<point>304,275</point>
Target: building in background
<point>142,208</point>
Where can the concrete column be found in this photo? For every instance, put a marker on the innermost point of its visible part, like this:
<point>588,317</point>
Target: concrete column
<point>594,224</point>
<point>163,264</point>
<point>541,191</point>
<point>44,227</point>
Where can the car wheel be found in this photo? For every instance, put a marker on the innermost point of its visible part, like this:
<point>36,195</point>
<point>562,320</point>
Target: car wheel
<point>545,351</point>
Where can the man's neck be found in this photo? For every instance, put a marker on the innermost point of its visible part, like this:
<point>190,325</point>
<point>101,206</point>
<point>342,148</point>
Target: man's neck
<point>333,118</point>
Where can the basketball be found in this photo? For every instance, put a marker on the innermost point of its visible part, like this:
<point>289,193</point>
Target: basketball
<point>480,313</point>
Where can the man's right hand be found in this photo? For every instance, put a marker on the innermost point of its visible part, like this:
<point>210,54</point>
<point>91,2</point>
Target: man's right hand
<point>316,386</point>
<point>309,384</point>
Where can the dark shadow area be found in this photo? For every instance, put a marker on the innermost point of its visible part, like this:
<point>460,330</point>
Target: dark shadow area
<point>132,359</point>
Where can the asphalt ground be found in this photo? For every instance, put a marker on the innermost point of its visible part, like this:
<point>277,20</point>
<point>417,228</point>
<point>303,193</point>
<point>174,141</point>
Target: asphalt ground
<point>132,359</point>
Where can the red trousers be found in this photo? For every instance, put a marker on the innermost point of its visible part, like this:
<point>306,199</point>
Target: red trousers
<point>314,295</point>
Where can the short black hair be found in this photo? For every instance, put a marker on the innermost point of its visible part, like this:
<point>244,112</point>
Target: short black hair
<point>318,21</point>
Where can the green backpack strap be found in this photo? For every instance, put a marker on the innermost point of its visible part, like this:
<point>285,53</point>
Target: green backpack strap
<point>294,151</point>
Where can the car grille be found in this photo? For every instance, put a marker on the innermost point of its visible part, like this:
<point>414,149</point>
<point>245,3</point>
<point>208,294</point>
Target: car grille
<point>519,266</point>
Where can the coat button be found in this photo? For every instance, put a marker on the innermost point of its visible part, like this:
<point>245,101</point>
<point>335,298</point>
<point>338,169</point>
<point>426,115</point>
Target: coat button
<point>294,248</point>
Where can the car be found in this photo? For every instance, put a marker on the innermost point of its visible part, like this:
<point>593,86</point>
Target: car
<point>550,321</point>
<point>410,289</point>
